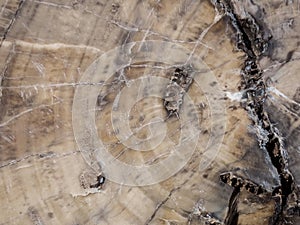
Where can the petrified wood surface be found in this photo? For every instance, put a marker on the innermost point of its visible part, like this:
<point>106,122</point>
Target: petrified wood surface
<point>78,73</point>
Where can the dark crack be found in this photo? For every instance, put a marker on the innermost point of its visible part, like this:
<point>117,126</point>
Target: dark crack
<point>159,205</point>
<point>254,42</point>
<point>233,215</point>
<point>11,22</point>
<point>179,84</point>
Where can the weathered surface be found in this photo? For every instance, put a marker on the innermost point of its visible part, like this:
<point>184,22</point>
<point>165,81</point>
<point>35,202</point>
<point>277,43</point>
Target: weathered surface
<point>46,50</point>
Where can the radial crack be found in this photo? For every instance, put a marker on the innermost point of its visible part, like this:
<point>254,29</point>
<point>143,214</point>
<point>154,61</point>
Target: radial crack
<point>159,205</point>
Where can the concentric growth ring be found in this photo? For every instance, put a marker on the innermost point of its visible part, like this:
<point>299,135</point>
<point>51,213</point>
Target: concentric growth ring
<point>83,113</point>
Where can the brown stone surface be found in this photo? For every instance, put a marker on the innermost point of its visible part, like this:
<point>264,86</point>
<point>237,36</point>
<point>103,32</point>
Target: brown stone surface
<point>46,50</point>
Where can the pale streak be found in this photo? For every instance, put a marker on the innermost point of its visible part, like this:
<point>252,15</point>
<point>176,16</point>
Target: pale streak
<point>24,112</point>
<point>52,46</point>
<point>53,4</point>
<point>4,7</point>
<point>280,94</point>
<point>202,35</point>
<point>57,85</point>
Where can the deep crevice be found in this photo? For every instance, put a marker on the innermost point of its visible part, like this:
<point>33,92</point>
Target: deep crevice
<point>251,39</point>
<point>233,215</point>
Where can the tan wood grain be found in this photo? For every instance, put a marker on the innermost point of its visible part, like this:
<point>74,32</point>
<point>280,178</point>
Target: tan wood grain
<point>45,53</point>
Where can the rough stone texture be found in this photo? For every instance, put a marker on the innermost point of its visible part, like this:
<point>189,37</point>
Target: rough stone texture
<point>46,47</point>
